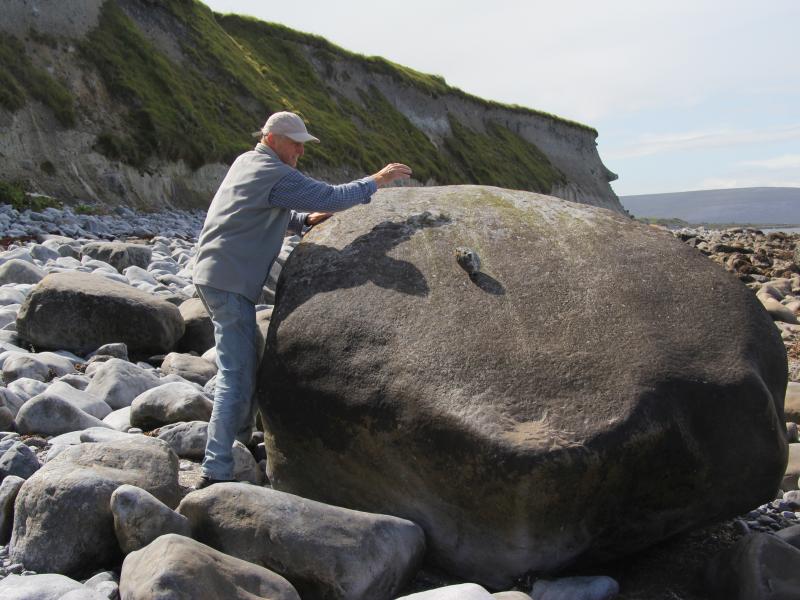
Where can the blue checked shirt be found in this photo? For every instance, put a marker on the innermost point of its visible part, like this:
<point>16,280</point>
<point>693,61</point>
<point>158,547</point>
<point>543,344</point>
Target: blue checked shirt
<point>298,192</point>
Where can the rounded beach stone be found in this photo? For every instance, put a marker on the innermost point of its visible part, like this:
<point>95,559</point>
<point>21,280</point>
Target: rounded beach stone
<point>20,271</point>
<point>75,534</point>
<point>9,488</point>
<point>462,591</point>
<point>139,518</point>
<point>81,311</point>
<point>325,551</point>
<point>199,333</point>
<point>52,415</point>
<point>540,399</point>
<point>118,382</point>
<point>192,368</point>
<point>174,566</point>
<point>575,588</point>
<point>119,255</point>
<point>170,403</point>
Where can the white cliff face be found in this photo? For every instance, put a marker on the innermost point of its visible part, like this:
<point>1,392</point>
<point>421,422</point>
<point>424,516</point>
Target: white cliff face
<point>32,139</point>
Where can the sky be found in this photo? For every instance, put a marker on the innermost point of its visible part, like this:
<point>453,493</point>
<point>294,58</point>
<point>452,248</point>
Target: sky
<point>685,94</point>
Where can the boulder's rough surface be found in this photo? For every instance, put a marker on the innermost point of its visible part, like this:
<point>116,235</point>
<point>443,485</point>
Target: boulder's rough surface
<point>175,567</point>
<point>119,255</point>
<point>81,311</point>
<point>325,551</point>
<point>199,333</point>
<point>575,399</point>
<point>758,567</point>
<point>20,271</point>
<point>140,517</point>
<point>192,368</point>
<point>117,382</point>
<point>62,518</point>
<point>170,403</point>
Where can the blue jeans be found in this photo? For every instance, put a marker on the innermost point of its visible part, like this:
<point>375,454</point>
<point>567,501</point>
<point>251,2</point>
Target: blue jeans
<point>234,318</point>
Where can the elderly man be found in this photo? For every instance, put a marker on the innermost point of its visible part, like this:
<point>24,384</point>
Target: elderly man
<point>261,196</point>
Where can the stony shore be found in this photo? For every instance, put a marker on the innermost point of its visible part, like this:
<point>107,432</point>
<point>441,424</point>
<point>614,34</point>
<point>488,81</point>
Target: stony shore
<point>124,392</point>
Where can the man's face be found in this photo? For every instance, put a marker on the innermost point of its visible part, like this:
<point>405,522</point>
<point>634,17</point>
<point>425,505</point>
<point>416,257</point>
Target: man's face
<point>287,149</point>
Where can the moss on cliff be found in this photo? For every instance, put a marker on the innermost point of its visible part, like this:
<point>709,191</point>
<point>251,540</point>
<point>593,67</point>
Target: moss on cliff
<point>235,70</point>
<point>20,79</point>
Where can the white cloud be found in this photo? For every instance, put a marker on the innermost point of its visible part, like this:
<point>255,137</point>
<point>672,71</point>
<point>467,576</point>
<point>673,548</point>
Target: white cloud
<point>650,144</point>
<point>779,163</point>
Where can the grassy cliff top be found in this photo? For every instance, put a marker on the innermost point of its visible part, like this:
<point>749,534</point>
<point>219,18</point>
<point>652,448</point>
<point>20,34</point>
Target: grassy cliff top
<point>201,104</point>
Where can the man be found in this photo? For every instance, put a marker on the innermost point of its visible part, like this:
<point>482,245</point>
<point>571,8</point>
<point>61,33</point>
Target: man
<point>261,196</point>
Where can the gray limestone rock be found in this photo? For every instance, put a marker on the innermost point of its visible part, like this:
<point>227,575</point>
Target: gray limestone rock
<point>83,478</point>
<point>47,586</point>
<point>18,460</point>
<point>42,366</point>
<point>346,554</point>
<point>119,419</point>
<point>20,271</point>
<point>86,401</point>
<point>543,370</point>
<point>139,518</point>
<point>175,567</point>
<point>118,382</point>
<point>187,439</point>
<point>758,567</point>
<point>76,380</point>
<point>51,415</point>
<point>170,403</point>
<point>117,350</point>
<point>192,368</point>
<point>80,312</point>
<point>119,255</point>
<point>102,434</point>
<point>26,388</point>
<point>12,400</point>
<point>199,333</point>
<point>9,488</point>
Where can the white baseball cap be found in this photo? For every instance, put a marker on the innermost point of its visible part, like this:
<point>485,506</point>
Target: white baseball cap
<point>288,124</point>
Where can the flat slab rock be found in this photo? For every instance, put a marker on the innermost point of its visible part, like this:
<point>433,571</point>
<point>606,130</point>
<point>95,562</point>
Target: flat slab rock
<point>573,400</point>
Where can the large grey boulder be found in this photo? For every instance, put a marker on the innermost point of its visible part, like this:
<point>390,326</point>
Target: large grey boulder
<point>192,368</point>
<point>82,311</point>
<point>175,567</point>
<point>139,518</point>
<point>50,415</point>
<point>594,367</point>
<point>117,382</point>
<point>325,551</point>
<point>199,333</point>
<point>758,567</point>
<point>119,255</point>
<point>62,517</point>
<point>170,403</point>
<point>20,271</point>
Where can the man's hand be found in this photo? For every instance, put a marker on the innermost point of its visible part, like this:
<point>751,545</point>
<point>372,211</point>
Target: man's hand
<point>316,218</point>
<point>390,173</point>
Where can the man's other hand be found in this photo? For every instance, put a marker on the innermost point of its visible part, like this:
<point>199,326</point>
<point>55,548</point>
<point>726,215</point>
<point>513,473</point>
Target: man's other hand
<point>316,218</point>
<point>391,173</point>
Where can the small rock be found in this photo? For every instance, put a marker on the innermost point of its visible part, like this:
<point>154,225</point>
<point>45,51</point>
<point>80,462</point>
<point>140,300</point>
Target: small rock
<point>191,368</point>
<point>9,489</point>
<point>575,588</point>
<point>170,403</point>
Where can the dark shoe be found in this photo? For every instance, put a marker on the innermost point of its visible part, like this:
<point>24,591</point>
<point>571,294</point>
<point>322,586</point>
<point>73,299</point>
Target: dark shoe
<point>207,481</point>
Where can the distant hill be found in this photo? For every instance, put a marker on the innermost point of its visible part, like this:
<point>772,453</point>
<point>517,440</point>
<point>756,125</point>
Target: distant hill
<point>762,205</point>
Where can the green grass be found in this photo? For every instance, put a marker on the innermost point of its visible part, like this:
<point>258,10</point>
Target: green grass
<point>502,158</point>
<point>13,193</point>
<point>20,80</point>
<point>237,70</point>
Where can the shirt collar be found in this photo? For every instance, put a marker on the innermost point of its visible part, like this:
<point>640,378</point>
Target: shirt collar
<point>264,149</point>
